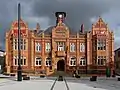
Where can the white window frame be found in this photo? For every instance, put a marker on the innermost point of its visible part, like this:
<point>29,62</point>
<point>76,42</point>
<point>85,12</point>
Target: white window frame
<point>22,59</point>
<point>73,61</point>
<point>60,46</point>
<point>47,47</point>
<point>72,47</point>
<point>15,46</point>
<point>24,44</point>
<point>15,57</point>
<point>37,60</point>
<point>48,60</point>
<point>83,61</point>
<point>82,47</point>
<point>101,44</point>
<point>100,58</point>
<point>37,47</point>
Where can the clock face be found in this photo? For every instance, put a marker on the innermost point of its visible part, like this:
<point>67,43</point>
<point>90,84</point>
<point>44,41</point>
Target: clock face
<point>60,16</point>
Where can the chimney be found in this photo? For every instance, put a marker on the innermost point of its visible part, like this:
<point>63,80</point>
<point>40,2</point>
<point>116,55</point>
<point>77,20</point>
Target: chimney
<point>60,17</point>
<point>38,26</point>
<point>82,28</point>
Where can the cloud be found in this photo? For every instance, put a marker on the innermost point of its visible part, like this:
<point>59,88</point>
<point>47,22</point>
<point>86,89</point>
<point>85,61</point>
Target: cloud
<point>42,11</point>
<point>78,11</point>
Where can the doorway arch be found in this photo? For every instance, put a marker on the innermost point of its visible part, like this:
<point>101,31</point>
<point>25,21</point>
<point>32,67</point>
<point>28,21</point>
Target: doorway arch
<point>60,65</point>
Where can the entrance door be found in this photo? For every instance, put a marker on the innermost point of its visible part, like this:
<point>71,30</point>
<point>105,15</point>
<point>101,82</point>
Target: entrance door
<point>60,65</point>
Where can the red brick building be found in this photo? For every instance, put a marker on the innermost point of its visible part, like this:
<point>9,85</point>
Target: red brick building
<point>60,48</point>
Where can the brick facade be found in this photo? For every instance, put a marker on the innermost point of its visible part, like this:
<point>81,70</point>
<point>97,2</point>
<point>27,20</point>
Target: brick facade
<point>61,33</point>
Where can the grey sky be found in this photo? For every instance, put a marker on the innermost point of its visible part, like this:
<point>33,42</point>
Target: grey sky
<point>78,12</point>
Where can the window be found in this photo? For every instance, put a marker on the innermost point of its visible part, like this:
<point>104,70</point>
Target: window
<point>22,44</point>
<point>72,61</point>
<point>47,47</point>
<point>101,60</point>
<point>82,61</point>
<point>60,46</point>
<point>82,47</point>
<point>101,44</point>
<point>38,47</point>
<point>22,61</point>
<point>72,47</point>
<point>15,60</point>
<point>38,61</point>
<point>15,44</point>
<point>48,62</point>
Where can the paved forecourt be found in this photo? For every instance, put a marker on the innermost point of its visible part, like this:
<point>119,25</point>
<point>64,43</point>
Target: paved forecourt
<point>47,83</point>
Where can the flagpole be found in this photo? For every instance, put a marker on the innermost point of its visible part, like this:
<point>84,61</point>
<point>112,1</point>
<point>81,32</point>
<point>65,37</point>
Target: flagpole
<point>19,71</point>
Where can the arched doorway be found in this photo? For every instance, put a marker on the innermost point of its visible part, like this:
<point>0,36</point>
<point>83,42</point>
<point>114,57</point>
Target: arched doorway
<point>60,65</point>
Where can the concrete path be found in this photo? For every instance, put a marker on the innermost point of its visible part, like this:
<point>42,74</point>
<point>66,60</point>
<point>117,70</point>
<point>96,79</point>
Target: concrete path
<point>37,83</point>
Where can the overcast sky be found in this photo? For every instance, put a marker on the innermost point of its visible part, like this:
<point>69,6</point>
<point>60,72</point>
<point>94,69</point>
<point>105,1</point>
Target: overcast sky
<point>78,12</point>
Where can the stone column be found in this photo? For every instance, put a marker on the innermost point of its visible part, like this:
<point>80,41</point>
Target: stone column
<point>7,59</point>
<point>32,52</point>
<point>88,49</point>
<point>78,51</point>
<point>43,51</point>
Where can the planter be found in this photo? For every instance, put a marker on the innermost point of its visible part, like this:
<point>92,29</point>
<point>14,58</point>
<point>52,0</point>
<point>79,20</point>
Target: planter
<point>60,78</point>
<point>26,78</point>
<point>93,78</point>
<point>118,79</point>
<point>42,76</point>
<point>12,74</point>
<point>77,76</point>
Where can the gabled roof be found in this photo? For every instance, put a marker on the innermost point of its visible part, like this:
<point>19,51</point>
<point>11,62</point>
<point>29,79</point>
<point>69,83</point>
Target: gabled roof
<point>117,50</point>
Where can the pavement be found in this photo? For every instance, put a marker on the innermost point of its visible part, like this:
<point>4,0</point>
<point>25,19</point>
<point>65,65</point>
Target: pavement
<point>37,83</point>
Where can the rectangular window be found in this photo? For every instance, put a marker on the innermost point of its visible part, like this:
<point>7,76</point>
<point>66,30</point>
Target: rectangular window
<point>101,60</point>
<point>15,44</point>
<point>47,47</point>
<point>38,47</point>
<point>82,47</point>
<point>72,47</point>
<point>82,61</point>
<point>15,61</point>
<point>73,62</point>
<point>60,46</point>
<point>24,44</point>
<point>48,62</point>
<point>38,61</point>
<point>101,44</point>
<point>22,60</point>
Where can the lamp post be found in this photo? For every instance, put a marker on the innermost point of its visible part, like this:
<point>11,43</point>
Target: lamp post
<point>19,69</point>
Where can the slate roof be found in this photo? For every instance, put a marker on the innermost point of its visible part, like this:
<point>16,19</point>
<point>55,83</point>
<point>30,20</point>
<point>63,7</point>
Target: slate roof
<point>48,31</point>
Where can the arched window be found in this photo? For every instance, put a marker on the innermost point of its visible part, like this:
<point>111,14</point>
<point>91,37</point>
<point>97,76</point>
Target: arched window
<point>72,61</point>
<point>82,61</point>
<point>82,47</point>
<point>47,47</point>
<point>38,61</point>
<point>48,62</point>
<point>72,47</point>
<point>38,47</point>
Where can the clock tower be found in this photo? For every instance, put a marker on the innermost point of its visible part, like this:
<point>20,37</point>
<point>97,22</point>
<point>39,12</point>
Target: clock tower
<point>60,17</point>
